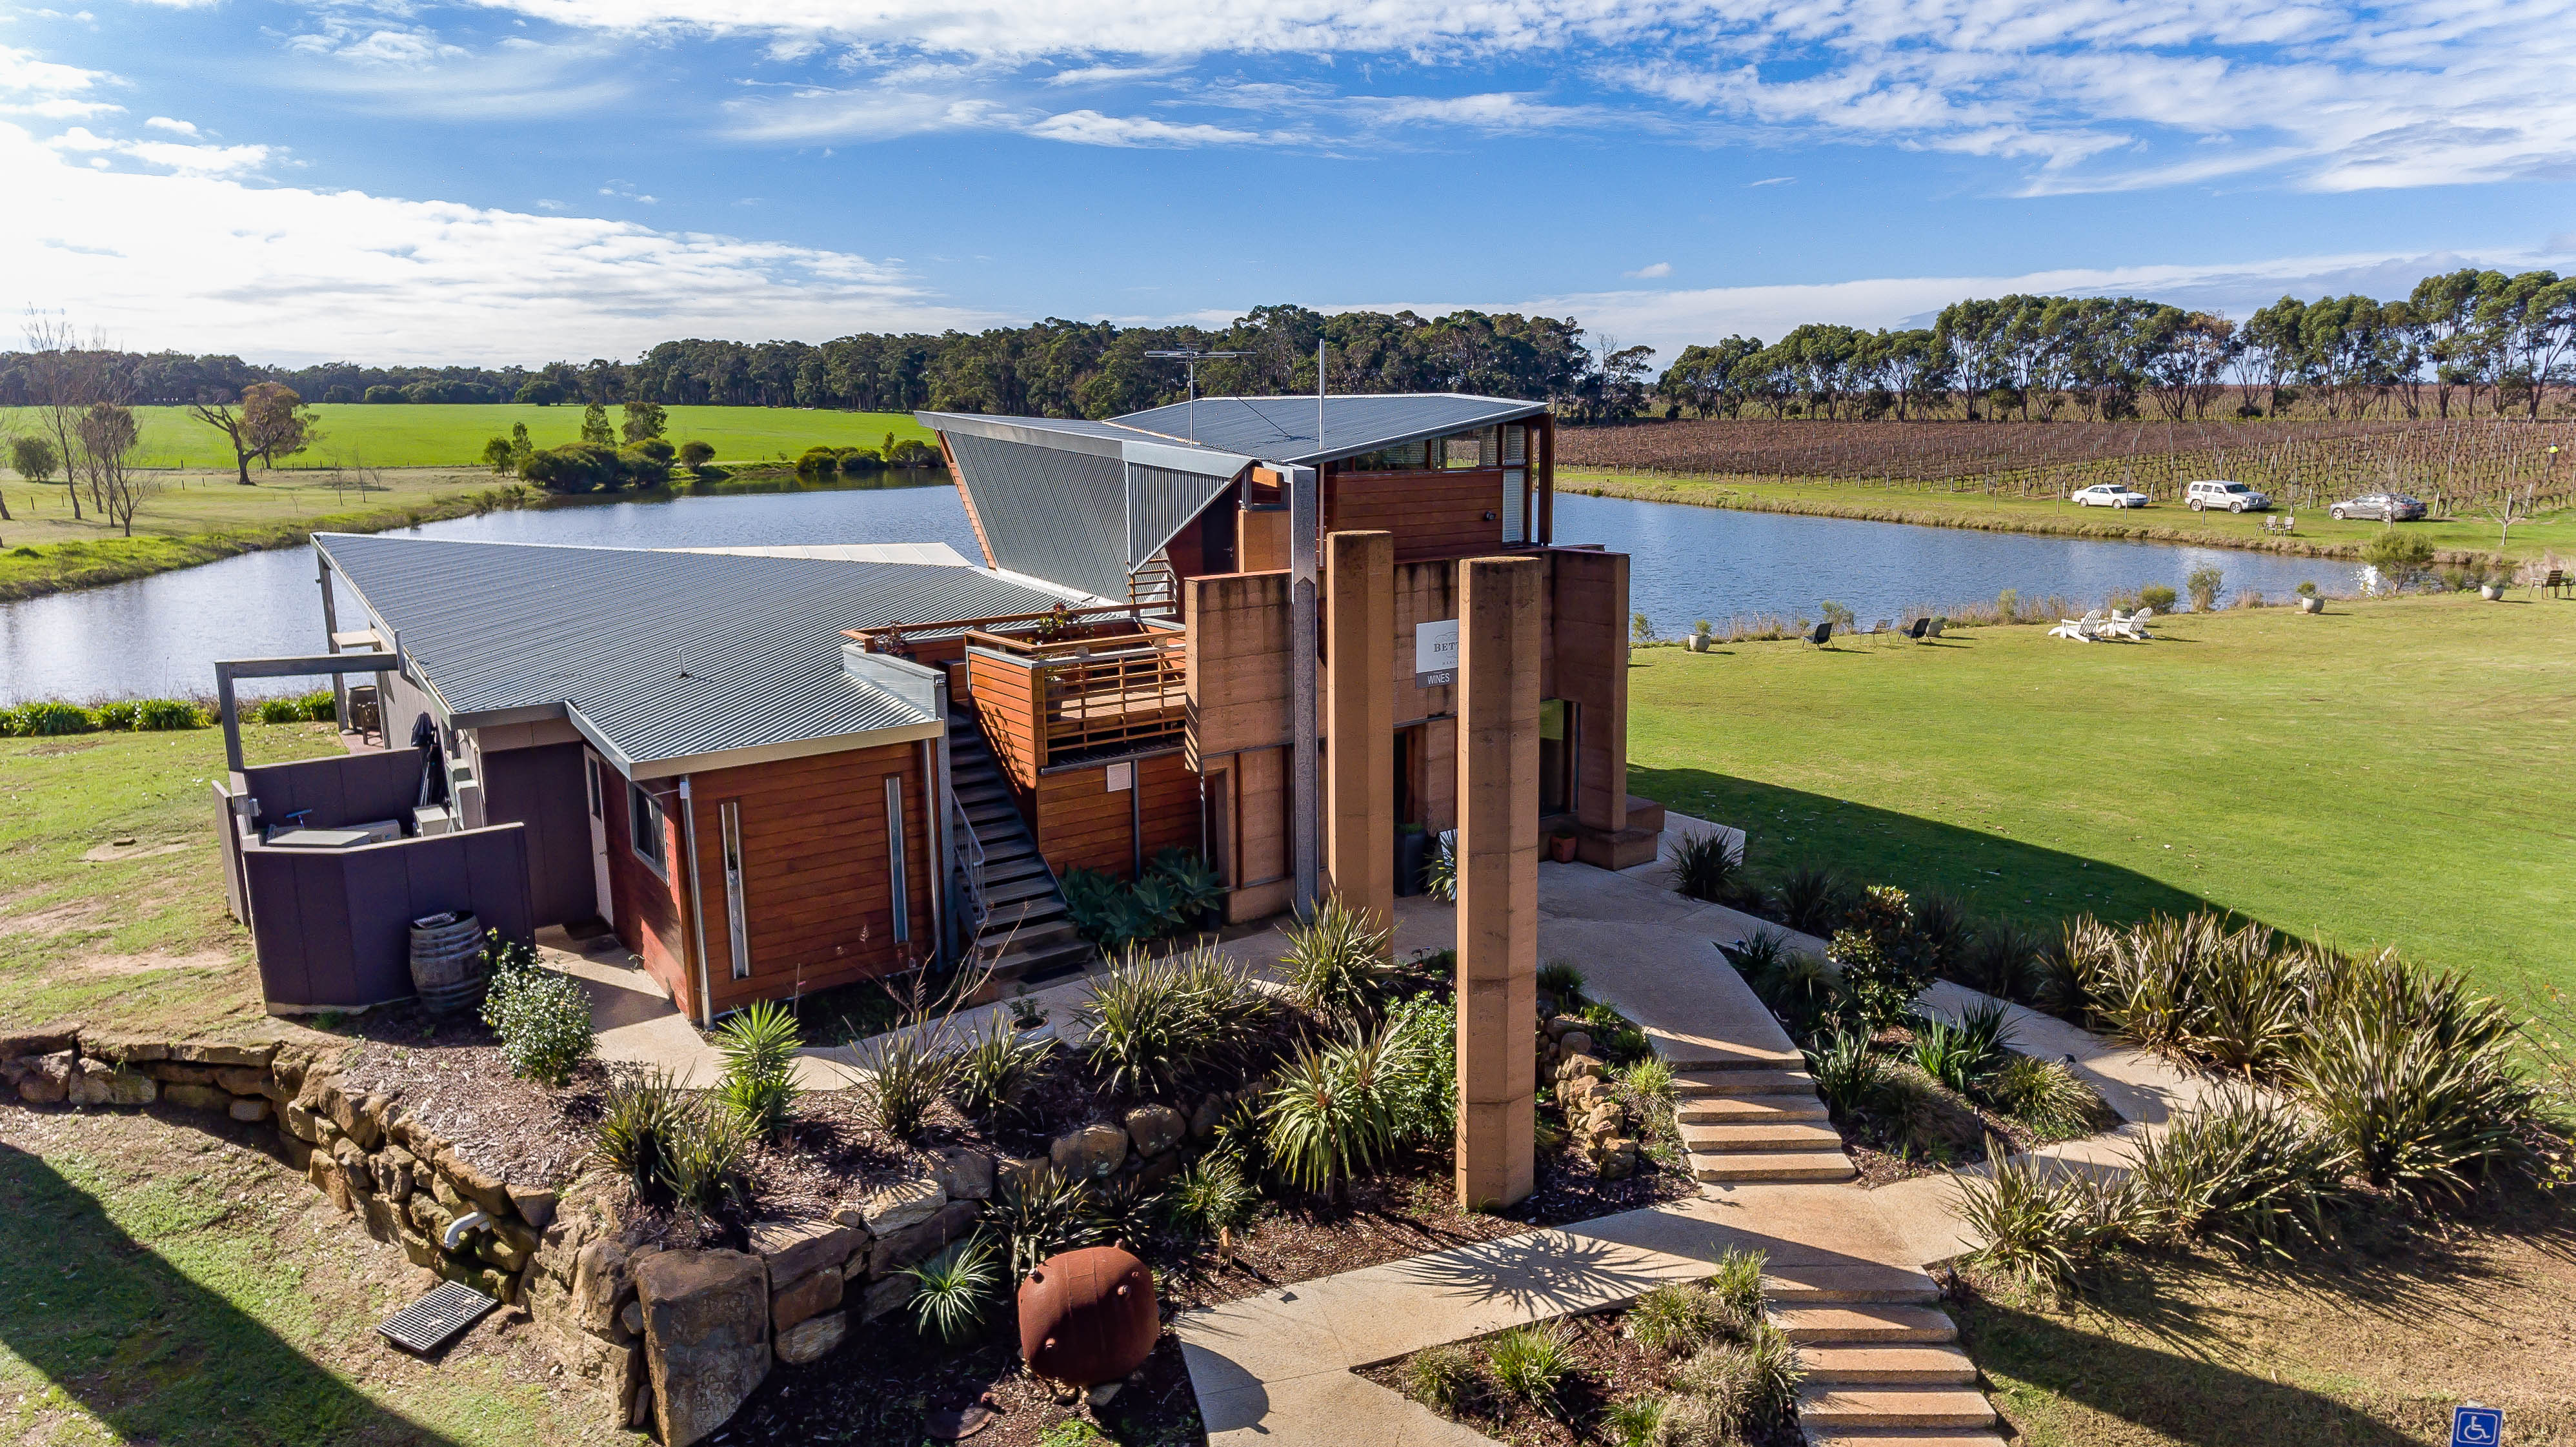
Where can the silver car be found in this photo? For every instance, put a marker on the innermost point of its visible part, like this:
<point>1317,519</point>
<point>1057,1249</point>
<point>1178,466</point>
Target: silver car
<point>2386,507</point>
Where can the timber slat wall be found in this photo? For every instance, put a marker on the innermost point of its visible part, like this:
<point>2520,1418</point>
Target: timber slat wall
<point>1084,824</point>
<point>1438,514</point>
<point>1007,708</point>
<point>650,918</point>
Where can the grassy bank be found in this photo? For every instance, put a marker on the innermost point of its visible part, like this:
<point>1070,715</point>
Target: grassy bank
<point>2318,535</point>
<point>2392,772</point>
<point>417,435</point>
<point>90,929</point>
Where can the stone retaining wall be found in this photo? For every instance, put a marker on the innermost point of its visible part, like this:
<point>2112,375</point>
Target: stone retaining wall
<point>679,1339</point>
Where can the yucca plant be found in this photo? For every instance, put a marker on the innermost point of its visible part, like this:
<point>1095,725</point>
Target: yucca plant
<point>1211,1198</point>
<point>759,1044</point>
<point>1328,1117</point>
<point>908,1072</point>
<point>1040,1213</point>
<point>1848,1074</point>
<point>2042,1094</point>
<point>1564,981</point>
<point>1339,964</point>
<point>954,1289</point>
<point>1707,866</point>
<point>1156,1025</point>
<point>1532,1363</point>
<point>634,1130</point>
<point>990,1078</point>
<point>2001,959</point>
<point>1812,899</point>
<point>2254,1172</point>
<point>703,1158</point>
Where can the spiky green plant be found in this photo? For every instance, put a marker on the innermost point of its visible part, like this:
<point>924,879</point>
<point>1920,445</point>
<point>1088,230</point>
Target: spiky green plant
<point>1848,1074</point>
<point>759,1044</point>
<point>1706,865</point>
<point>1441,1378</point>
<point>2416,1084</point>
<point>2001,959</point>
<point>1125,1213</point>
<point>1649,1081</point>
<point>907,1071</point>
<point>1716,1396</point>
<point>1157,1025</point>
<point>1328,1117</point>
<point>2043,1225</point>
<point>1211,1198</point>
<point>954,1289</point>
<point>990,1077</point>
<point>1339,964</point>
<point>1674,1319</point>
<point>703,1158</point>
<point>1040,1213</point>
<point>2042,1094</point>
<point>633,1134</point>
<point>1944,926</point>
<point>1563,981</point>
<point>1775,1371</point>
<point>1736,1286</point>
<point>1811,899</point>
<point>2253,1172</point>
<point>1636,1422</point>
<point>1532,1364</point>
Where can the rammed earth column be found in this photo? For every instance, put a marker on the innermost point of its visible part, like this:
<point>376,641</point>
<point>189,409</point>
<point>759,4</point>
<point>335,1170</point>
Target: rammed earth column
<point>1498,641</point>
<point>1359,722</point>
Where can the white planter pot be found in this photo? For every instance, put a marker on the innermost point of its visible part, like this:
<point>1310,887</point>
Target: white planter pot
<point>2492,592</point>
<point>2312,605</point>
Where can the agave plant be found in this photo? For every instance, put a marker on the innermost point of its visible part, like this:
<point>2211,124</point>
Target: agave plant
<point>759,1044</point>
<point>1329,1117</point>
<point>1848,1074</point>
<point>953,1290</point>
<point>1706,865</point>
<point>1338,964</point>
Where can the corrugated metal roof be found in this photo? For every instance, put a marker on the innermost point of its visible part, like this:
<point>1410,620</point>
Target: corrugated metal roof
<point>667,655</point>
<point>1049,512</point>
<point>1282,429</point>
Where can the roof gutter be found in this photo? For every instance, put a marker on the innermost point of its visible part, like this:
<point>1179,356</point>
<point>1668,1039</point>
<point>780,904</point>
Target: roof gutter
<point>642,769</point>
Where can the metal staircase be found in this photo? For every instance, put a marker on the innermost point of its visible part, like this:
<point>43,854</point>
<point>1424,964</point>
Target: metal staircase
<point>1026,935</point>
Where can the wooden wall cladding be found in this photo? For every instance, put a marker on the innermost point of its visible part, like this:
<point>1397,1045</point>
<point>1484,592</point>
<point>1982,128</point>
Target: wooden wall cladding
<point>1084,824</point>
<point>1009,712</point>
<point>1238,662</point>
<point>1432,514</point>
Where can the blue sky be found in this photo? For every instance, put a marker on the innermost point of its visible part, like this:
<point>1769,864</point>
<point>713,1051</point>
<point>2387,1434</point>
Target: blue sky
<point>525,179</point>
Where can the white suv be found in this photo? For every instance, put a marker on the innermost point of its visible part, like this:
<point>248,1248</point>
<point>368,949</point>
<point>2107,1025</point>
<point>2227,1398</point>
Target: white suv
<point>2233,496</point>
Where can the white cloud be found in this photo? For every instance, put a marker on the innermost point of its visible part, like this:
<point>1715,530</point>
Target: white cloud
<point>175,127</point>
<point>1091,128</point>
<point>1770,181</point>
<point>50,91</point>
<point>411,71</point>
<point>205,263</point>
<point>1654,272</point>
<point>175,155</point>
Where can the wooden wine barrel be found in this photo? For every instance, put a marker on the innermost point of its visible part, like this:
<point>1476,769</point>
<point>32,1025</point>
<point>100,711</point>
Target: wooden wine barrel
<point>447,966</point>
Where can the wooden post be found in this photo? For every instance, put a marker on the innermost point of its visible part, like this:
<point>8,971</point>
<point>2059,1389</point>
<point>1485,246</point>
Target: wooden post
<point>1497,877</point>
<point>1359,702</point>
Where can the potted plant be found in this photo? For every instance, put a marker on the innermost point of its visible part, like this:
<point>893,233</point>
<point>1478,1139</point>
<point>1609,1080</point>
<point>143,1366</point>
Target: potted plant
<point>2309,600</point>
<point>1412,849</point>
<point>1560,847</point>
<point>2494,579</point>
<point>1702,634</point>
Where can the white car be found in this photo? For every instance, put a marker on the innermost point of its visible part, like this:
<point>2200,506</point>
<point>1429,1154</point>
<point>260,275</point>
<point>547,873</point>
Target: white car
<point>2233,496</point>
<point>2110,494</point>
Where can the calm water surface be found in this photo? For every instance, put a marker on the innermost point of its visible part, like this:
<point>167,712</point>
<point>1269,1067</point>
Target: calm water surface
<point>159,635</point>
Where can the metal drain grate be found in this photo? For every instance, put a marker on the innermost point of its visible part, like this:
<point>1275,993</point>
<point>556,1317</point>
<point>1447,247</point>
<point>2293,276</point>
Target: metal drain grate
<point>426,1324</point>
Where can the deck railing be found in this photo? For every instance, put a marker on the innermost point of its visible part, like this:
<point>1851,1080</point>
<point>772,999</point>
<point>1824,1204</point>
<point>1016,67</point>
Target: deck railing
<point>1042,703</point>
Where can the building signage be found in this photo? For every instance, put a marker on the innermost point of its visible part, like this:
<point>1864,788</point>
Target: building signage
<point>1435,653</point>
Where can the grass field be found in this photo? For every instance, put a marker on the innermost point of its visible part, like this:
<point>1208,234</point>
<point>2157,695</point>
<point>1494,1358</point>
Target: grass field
<point>2398,772</point>
<point>1938,506</point>
<point>407,435</point>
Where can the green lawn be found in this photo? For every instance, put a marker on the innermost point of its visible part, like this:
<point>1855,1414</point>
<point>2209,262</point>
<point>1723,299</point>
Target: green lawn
<point>2163,522</point>
<point>2399,772</point>
<point>409,435</point>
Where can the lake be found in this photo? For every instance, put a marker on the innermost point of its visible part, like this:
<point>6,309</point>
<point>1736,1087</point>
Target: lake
<point>159,635</point>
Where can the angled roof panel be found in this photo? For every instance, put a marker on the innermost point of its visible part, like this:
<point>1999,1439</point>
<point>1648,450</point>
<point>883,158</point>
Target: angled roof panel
<point>1050,512</point>
<point>667,655</point>
<point>1282,429</point>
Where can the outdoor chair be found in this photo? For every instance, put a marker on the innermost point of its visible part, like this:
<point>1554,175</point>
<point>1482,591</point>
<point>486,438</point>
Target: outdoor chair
<point>1918,628</point>
<point>1822,635</point>
<point>2133,627</point>
<point>2554,580</point>
<point>1882,628</point>
<point>1938,624</point>
<point>2087,629</point>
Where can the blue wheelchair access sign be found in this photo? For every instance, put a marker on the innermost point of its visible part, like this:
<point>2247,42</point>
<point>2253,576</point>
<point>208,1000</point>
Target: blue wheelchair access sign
<point>2476,1427</point>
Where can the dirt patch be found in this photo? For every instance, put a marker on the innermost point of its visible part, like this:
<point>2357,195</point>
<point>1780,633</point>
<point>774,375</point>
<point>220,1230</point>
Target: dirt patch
<point>54,919</point>
<point>153,963</point>
<point>450,1074</point>
<point>116,849</point>
<point>2372,1344</point>
<point>68,746</point>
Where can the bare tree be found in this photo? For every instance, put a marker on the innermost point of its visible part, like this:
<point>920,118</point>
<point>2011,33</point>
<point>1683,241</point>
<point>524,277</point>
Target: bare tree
<point>108,437</point>
<point>63,379</point>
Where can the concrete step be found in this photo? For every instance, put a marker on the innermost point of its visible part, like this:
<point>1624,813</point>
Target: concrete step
<point>1904,1437</point>
<point>1698,1058</point>
<point>1793,1135</point>
<point>1916,1407</point>
<point>1872,1325</point>
<point>1822,1284</point>
<point>1692,1110</point>
<point>1830,1165</point>
<point>1888,1366</point>
<point>1745,1082</point>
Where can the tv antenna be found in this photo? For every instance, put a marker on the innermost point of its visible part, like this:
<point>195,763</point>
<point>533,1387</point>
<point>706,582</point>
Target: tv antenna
<point>1190,357</point>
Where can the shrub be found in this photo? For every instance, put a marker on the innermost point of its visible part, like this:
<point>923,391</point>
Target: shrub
<point>1706,866</point>
<point>2255,1174</point>
<point>2042,1094</point>
<point>46,719</point>
<point>1157,1024</point>
<point>702,1158</point>
<point>1532,1363</point>
<point>1615,1038</point>
<point>695,454</point>
<point>1329,1117</point>
<point>2414,1082</point>
<point>1563,981</point>
<point>116,717</point>
<point>1716,1398</point>
<point>907,1073</point>
<point>1736,1287</point>
<point>1441,1378</point>
<point>1174,894</point>
<point>542,1016</point>
<point>1942,922</point>
<point>2156,596</point>
<point>1636,1422</point>
<point>1649,1081</point>
<point>1212,1197</point>
<point>992,1074</point>
<point>2401,557</point>
<point>1945,1053</point>
<point>1040,1213</point>
<point>635,1121</point>
<point>1674,1319</point>
<point>1338,964</point>
<point>1884,959</point>
<point>156,715</point>
<point>1848,1074</point>
<point>2001,959</point>
<point>2042,1226</point>
<point>1811,899</point>
<point>1757,953</point>
<point>278,711</point>
<point>954,1289</point>
<point>1775,1369</point>
<point>2203,583</point>
<point>1422,1088</point>
<point>759,1044</point>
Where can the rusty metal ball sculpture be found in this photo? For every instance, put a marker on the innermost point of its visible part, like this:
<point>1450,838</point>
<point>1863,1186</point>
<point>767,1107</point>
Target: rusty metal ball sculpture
<point>1088,1316</point>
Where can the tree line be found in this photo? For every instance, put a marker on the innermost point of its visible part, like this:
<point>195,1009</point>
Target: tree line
<point>1053,368</point>
<point>2470,338</point>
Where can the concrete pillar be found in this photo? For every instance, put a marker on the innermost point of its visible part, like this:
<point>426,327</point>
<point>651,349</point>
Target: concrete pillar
<point>1359,721</point>
<point>1498,643</point>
